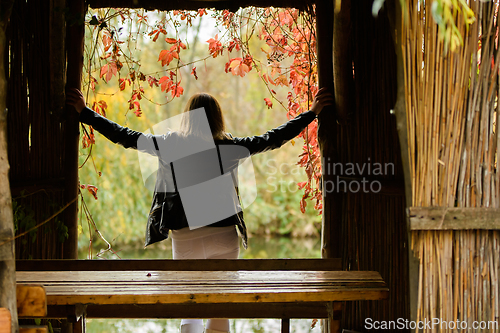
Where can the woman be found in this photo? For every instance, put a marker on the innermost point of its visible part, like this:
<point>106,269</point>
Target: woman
<point>217,238</point>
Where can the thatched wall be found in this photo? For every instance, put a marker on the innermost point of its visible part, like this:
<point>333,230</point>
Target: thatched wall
<point>452,111</point>
<point>35,127</point>
<point>373,224</point>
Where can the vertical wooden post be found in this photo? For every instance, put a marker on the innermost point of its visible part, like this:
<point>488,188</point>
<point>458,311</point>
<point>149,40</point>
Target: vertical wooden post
<point>57,53</point>
<point>74,46</point>
<point>5,321</point>
<point>7,256</point>
<point>334,317</point>
<point>327,124</point>
<point>342,60</point>
<point>327,138</point>
<point>285,325</point>
<point>396,21</point>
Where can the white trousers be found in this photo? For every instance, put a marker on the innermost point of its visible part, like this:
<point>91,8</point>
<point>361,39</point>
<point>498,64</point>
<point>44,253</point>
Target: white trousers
<point>205,243</point>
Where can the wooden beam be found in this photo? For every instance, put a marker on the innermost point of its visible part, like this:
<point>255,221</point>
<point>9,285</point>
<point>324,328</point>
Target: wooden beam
<point>33,329</point>
<point>195,5</point>
<point>208,287</point>
<point>285,325</point>
<point>31,301</point>
<point>145,311</point>
<point>327,131</point>
<point>5,320</point>
<point>453,218</point>
<point>57,54</point>
<point>180,265</point>
<point>395,15</point>
<point>7,256</point>
<point>74,43</point>
<point>334,317</point>
<point>342,61</point>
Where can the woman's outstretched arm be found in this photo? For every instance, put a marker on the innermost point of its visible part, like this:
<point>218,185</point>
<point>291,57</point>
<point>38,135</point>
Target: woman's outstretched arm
<point>277,137</point>
<point>114,132</point>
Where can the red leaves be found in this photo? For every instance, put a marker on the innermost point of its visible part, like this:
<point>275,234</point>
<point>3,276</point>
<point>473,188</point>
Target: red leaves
<point>193,72</point>
<point>167,84</point>
<point>100,107</point>
<point>123,83</point>
<point>177,90</point>
<point>92,83</point>
<point>188,16</point>
<point>234,44</point>
<point>136,107</point>
<point>215,46</point>
<point>239,66</point>
<point>88,139</point>
<point>166,56</point>
<point>134,103</point>
<point>269,103</point>
<point>142,18</point>
<point>156,33</point>
<point>227,17</point>
<point>152,81</point>
<point>108,70</point>
<point>91,188</point>
<point>107,41</point>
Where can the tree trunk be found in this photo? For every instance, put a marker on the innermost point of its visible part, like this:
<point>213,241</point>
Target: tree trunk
<point>7,257</point>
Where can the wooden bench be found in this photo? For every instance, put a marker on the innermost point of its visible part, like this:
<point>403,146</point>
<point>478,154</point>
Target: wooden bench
<point>273,288</point>
<point>5,318</point>
<point>31,303</point>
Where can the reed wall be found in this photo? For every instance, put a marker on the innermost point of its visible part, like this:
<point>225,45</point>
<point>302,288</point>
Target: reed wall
<point>452,117</point>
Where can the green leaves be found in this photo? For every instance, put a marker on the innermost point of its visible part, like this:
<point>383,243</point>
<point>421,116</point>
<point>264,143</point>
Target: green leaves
<point>446,14</point>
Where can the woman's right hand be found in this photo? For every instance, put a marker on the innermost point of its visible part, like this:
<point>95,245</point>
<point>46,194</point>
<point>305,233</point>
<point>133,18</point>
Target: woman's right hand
<point>74,97</point>
<point>323,98</point>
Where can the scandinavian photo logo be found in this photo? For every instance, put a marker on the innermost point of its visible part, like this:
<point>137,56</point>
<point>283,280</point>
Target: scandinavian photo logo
<point>355,177</point>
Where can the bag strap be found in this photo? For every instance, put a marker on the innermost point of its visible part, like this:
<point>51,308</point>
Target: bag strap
<point>156,145</point>
<point>157,149</point>
<point>172,166</point>
<point>220,160</point>
<point>173,176</point>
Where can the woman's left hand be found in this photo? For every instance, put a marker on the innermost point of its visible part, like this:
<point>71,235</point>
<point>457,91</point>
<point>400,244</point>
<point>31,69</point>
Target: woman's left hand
<point>75,98</point>
<point>323,98</point>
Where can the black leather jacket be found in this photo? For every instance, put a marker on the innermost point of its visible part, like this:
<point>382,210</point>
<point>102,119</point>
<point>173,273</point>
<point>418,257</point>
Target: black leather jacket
<point>128,138</point>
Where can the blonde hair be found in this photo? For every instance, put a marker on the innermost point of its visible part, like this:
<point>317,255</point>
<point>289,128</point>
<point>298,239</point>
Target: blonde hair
<point>192,125</point>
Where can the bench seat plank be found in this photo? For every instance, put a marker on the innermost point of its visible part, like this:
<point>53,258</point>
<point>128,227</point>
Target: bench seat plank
<point>31,300</point>
<point>178,287</point>
<point>33,329</point>
<point>5,320</point>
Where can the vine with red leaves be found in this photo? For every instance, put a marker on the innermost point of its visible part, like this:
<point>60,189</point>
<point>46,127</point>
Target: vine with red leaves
<point>290,52</point>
